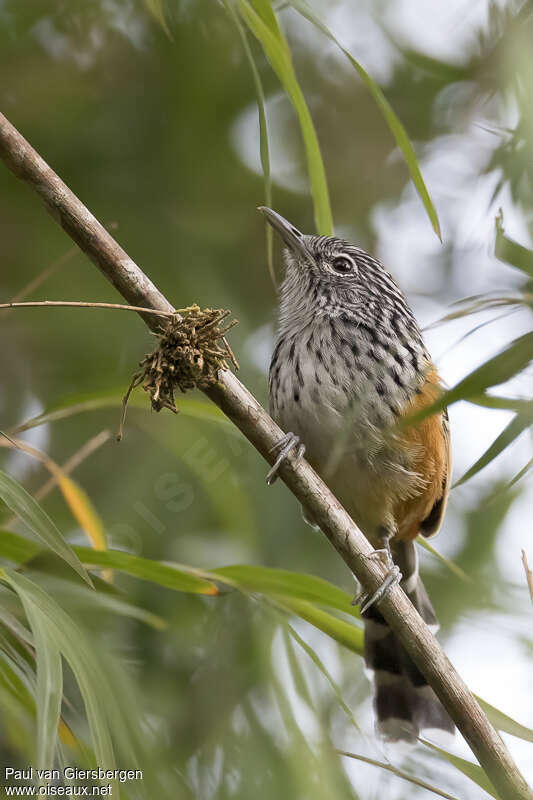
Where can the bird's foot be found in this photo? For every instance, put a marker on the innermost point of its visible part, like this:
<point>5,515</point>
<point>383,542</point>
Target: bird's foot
<point>283,448</point>
<point>393,577</point>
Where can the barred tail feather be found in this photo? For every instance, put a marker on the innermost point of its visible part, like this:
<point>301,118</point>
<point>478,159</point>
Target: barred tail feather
<point>404,702</point>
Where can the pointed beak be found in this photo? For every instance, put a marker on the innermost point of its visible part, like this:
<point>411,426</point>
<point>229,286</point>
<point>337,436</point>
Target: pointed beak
<point>290,235</point>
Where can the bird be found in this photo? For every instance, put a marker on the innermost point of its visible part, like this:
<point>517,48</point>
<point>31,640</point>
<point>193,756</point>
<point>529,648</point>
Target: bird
<point>348,367</point>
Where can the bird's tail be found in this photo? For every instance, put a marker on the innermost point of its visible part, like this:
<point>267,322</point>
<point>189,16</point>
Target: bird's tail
<point>404,702</point>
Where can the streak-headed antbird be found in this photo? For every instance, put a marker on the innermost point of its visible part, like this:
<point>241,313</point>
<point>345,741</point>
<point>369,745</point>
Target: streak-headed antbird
<point>349,365</point>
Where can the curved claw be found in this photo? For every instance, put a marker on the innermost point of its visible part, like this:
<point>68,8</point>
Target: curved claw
<point>285,446</point>
<point>393,576</point>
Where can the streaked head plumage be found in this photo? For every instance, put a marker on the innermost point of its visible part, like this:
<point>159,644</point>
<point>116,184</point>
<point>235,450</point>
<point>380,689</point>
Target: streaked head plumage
<point>330,274</point>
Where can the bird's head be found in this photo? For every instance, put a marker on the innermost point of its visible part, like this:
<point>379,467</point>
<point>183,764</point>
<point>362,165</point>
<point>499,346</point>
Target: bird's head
<point>325,258</point>
<point>331,276</point>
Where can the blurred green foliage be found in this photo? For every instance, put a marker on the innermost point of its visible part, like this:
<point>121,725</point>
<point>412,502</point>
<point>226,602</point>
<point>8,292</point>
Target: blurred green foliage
<point>147,111</point>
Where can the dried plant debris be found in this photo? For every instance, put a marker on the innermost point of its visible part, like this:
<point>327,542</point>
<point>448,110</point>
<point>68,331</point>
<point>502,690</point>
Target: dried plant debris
<point>191,350</point>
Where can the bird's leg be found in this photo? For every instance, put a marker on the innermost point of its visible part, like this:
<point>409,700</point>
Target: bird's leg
<point>393,575</point>
<point>283,448</point>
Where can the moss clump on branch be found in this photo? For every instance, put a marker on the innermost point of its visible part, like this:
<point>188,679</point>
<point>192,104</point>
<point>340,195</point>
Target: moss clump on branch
<point>192,349</point>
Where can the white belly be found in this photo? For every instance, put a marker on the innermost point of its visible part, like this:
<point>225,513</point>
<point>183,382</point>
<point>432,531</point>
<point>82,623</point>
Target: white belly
<point>344,429</point>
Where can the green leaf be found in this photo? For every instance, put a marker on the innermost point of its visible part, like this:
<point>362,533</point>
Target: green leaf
<point>173,576</point>
<point>519,475</point>
<point>505,403</point>
<point>16,548</point>
<point>107,597</point>
<point>30,512</point>
<point>512,431</point>
<point>481,304</point>
<point>451,565</point>
<point>170,575</point>
<point>49,691</point>
<point>190,406</point>
<point>298,677</point>
<point>511,252</point>
<point>399,773</point>
<point>157,10</point>
<point>290,591</point>
<point>498,369</point>
<point>199,458</point>
<point>16,627</point>
<point>322,669</point>
<point>278,54</point>
<point>188,579</point>
<point>13,684</point>
<point>394,124</point>
<point>289,584</point>
<point>472,771</point>
<point>264,9</point>
<point>505,723</point>
<point>343,632</point>
<point>183,578</point>
<point>264,148</point>
<point>84,662</point>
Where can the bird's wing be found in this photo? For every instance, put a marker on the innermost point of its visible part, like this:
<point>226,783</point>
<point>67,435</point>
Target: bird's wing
<point>432,522</point>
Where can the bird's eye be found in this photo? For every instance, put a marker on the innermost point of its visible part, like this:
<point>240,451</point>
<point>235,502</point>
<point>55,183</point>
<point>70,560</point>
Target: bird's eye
<point>342,264</point>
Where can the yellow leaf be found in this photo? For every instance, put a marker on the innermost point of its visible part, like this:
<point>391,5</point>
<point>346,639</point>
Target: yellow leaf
<point>84,511</point>
<point>66,736</point>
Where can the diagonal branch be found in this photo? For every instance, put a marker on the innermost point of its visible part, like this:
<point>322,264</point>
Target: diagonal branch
<point>246,413</point>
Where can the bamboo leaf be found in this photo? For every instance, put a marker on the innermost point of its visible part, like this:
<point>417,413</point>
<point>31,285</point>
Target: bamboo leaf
<point>298,677</point>
<point>343,632</point>
<point>289,591</point>
<point>93,401</point>
<point>322,669</point>
<point>511,252</point>
<point>77,500</point>
<point>81,506</point>
<point>519,475</point>
<point>394,124</point>
<point>504,722</point>
<point>472,771</point>
<point>264,9</point>
<point>157,10</point>
<point>83,661</point>
<point>277,52</point>
<point>498,369</point>
<point>506,403</point>
<point>172,576</point>
<point>512,431</point>
<point>49,690</point>
<point>451,565</point>
<point>16,627</point>
<point>483,304</point>
<point>183,578</point>
<point>84,511</point>
<point>109,599</point>
<point>264,148</point>
<point>268,580</point>
<point>399,773</point>
<point>30,512</point>
<point>17,548</point>
<point>14,685</point>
